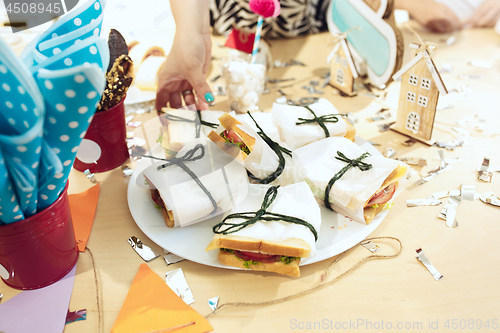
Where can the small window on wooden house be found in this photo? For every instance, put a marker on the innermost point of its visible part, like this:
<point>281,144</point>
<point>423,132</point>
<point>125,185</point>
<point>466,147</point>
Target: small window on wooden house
<point>340,76</point>
<point>413,122</point>
<point>426,84</point>
<point>422,100</point>
<point>344,63</point>
<point>337,58</point>
<point>410,96</point>
<point>413,79</point>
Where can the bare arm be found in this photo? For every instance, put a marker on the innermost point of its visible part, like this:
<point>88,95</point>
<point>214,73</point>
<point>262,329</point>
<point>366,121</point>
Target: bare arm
<point>189,58</point>
<point>432,15</point>
<point>486,15</point>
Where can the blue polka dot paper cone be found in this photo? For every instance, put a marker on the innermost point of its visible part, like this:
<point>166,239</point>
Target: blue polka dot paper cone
<point>21,103</point>
<point>10,210</point>
<point>91,50</point>
<point>22,156</point>
<point>71,97</point>
<point>79,24</point>
<point>21,128</point>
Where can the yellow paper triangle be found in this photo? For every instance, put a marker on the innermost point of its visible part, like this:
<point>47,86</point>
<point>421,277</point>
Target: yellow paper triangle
<point>151,306</point>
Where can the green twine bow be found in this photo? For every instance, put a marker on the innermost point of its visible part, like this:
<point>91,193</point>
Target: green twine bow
<point>350,163</point>
<point>327,118</point>
<point>198,122</point>
<point>189,156</point>
<point>279,150</point>
<point>260,215</point>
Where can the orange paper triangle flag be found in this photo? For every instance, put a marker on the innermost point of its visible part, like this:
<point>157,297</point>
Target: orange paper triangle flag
<point>151,306</point>
<point>83,206</point>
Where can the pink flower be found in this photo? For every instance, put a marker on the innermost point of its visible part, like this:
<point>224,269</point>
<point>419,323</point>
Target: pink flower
<point>266,8</point>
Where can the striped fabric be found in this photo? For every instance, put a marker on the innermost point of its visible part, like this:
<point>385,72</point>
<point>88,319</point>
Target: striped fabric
<point>298,17</point>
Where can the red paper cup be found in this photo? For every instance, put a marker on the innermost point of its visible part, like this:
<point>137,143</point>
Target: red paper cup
<point>104,146</point>
<point>39,250</point>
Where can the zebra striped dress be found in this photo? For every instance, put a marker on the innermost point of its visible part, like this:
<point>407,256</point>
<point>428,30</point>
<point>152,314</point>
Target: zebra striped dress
<point>297,17</point>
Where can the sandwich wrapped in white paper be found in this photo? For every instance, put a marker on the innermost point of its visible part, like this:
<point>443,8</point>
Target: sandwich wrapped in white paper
<point>277,237</point>
<point>189,199</point>
<point>296,136</point>
<point>358,194</point>
<point>262,161</point>
<point>181,126</point>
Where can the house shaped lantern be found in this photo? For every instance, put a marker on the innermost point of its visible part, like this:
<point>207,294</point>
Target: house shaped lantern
<point>421,86</point>
<point>343,71</point>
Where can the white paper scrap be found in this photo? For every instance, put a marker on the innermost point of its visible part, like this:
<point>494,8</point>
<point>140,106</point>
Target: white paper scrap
<point>171,258</point>
<point>461,131</point>
<point>449,211</point>
<point>465,120</point>
<point>440,195</point>
<point>213,302</point>
<point>427,263</point>
<point>467,192</point>
<point>480,64</point>
<point>177,282</point>
<point>370,246</point>
<point>144,251</point>
<point>423,202</point>
<point>489,198</point>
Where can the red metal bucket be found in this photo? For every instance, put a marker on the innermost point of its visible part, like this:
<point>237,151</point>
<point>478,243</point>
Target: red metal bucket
<point>39,250</point>
<point>104,146</point>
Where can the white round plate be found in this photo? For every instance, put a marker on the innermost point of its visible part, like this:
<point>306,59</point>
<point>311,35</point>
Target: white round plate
<point>337,233</point>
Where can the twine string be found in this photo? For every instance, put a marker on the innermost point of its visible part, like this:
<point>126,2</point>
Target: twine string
<point>198,122</point>
<point>327,118</point>
<point>424,46</point>
<point>363,166</point>
<point>278,149</point>
<point>343,35</point>
<point>99,323</point>
<point>262,214</point>
<point>189,156</point>
<point>321,284</point>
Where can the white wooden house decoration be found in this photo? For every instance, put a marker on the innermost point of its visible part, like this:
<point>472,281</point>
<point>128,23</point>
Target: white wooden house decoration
<point>343,71</point>
<point>421,85</point>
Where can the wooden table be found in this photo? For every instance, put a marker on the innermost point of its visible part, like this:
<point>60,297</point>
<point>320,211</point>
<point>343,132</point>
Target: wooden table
<point>379,294</point>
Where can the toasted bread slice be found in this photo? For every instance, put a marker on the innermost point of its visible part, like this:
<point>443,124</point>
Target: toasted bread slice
<point>230,149</point>
<point>291,247</point>
<point>230,123</point>
<point>350,132</point>
<point>292,269</point>
<point>370,212</point>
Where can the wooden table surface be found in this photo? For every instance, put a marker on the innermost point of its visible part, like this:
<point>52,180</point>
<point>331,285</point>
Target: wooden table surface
<point>379,294</point>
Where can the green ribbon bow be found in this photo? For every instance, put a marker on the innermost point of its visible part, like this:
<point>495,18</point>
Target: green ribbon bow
<point>261,215</point>
<point>189,156</point>
<point>198,122</point>
<point>327,118</point>
<point>350,163</point>
<point>279,150</point>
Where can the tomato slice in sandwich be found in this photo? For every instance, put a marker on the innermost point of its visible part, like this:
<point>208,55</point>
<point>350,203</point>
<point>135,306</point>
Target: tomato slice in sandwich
<point>232,135</point>
<point>155,195</point>
<point>261,257</point>
<point>383,196</point>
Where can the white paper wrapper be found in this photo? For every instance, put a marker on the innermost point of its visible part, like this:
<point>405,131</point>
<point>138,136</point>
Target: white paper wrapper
<point>316,162</point>
<point>265,121</point>
<point>218,172</point>
<point>294,200</point>
<point>296,136</point>
<point>176,134</point>
<point>263,161</point>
